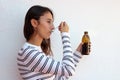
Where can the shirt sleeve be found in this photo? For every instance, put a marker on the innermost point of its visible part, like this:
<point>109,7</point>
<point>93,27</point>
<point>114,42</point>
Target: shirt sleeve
<point>76,56</point>
<point>36,61</point>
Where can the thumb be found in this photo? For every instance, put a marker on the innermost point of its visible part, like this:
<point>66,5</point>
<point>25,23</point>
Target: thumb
<point>80,47</point>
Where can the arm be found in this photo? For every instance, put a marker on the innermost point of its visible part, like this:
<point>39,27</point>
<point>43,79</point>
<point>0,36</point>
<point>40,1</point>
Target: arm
<point>77,54</point>
<point>36,61</point>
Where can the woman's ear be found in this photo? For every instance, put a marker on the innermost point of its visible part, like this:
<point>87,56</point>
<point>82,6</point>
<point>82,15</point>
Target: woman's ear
<point>34,23</point>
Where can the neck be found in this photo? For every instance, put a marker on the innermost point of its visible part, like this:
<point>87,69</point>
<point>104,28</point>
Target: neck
<point>35,40</point>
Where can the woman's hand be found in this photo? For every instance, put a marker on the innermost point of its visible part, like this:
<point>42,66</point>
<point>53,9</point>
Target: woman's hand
<point>79,48</point>
<point>63,27</point>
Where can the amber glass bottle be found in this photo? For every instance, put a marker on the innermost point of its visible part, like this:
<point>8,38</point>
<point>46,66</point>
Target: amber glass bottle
<point>86,42</point>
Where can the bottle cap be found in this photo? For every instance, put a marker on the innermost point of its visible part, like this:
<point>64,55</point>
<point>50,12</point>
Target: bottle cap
<point>86,32</point>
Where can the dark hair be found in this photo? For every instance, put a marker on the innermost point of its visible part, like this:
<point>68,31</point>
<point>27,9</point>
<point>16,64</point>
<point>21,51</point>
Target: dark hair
<point>34,13</point>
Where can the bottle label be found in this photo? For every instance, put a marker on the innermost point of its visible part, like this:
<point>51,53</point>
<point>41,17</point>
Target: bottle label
<point>85,49</point>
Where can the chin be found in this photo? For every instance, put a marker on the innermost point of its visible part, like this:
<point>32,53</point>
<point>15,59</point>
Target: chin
<point>47,37</point>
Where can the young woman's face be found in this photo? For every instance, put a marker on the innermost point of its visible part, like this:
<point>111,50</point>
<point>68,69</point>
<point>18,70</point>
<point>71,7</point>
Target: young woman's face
<point>45,26</point>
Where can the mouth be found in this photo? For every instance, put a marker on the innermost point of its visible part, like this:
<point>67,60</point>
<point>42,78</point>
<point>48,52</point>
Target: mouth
<point>51,31</point>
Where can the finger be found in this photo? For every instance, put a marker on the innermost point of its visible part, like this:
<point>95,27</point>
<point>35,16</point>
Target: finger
<point>80,47</point>
<point>59,29</point>
<point>89,42</point>
<point>89,45</point>
<point>61,24</point>
<point>89,49</point>
<point>64,23</point>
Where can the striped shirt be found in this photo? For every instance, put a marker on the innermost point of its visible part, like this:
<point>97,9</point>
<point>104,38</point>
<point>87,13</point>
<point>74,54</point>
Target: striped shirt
<point>33,64</point>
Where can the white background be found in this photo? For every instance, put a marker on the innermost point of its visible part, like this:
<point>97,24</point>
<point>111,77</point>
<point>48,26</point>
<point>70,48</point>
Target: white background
<point>101,18</point>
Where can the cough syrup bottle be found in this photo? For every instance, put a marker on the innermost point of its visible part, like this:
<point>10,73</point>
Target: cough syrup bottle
<point>86,42</point>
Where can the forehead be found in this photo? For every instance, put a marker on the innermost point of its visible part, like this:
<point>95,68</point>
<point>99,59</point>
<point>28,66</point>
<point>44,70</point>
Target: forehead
<point>47,15</point>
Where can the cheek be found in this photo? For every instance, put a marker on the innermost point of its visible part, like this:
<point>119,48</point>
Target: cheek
<point>43,26</point>
<point>43,31</point>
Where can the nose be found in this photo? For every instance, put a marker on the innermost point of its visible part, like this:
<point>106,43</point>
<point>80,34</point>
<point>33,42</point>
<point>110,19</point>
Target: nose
<point>52,27</point>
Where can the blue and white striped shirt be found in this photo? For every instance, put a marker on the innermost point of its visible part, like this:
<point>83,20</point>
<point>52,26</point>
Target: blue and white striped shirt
<point>33,64</point>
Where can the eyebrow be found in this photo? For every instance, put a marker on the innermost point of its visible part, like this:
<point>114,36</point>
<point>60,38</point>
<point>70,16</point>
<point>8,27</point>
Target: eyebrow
<point>49,19</point>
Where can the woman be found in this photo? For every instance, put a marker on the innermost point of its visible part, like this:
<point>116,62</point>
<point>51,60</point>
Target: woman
<point>34,58</point>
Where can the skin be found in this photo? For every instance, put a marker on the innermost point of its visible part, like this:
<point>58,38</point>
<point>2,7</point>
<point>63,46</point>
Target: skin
<point>44,27</point>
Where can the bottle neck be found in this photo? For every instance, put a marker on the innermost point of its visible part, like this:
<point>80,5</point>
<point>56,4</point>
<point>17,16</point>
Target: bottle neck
<point>85,38</point>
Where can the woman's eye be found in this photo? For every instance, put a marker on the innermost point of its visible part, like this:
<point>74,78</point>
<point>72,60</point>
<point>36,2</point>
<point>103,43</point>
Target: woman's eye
<point>49,21</point>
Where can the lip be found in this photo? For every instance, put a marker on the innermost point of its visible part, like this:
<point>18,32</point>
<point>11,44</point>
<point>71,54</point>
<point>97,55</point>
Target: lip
<point>50,32</point>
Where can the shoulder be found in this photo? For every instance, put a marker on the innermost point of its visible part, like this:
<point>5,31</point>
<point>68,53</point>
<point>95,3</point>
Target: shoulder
<point>26,49</point>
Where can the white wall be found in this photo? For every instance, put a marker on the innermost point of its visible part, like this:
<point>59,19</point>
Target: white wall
<point>101,18</point>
